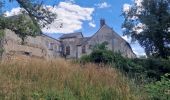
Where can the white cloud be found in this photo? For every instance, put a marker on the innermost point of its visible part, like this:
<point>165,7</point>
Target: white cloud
<point>14,11</point>
<point>70,1</point>
<point>126,8</point>
<point>128,39</point>
<point>103,5</point>
<point>69,14</point>
<point>92,24</point>
<point>138,50</point>
<point>139,28</point>
<point>138,2</point>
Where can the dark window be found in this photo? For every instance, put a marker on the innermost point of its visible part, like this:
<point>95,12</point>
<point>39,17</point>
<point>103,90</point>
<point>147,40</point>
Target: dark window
<point>68,50</point>
<point>84,49</point>
<point>90,46</point>
<point>27,53</point>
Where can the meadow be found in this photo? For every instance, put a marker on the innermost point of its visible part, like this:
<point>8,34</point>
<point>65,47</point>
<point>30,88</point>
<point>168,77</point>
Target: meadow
<point>34,79</point>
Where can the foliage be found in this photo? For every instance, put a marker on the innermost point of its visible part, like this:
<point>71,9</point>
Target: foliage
<point>99,54</point>
<point>85,59</point>
<point>34,79</point>
<point>37,12</point>
<point>39,16</point>
<point>159,90</point>
<point>149,24</point>
<point>141,70</point>
<point>1,40</point>
<point>23,26</point>
<point>152,68</point>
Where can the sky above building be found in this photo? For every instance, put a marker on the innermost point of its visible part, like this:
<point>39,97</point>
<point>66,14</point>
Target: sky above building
<point>83,16</point>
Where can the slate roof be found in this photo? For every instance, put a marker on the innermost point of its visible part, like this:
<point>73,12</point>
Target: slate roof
<point>71,35</point>
<point>82,40</point>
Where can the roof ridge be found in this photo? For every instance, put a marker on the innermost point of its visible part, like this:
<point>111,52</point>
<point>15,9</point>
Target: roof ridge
<point>69,35</point>
<point>49,36</point>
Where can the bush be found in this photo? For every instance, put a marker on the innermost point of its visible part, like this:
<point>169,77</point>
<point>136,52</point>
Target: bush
<point>85,59</point>
<point>154,68</point>
<point>102,56</point>
<point>99,54</point>
<point>151,67</point>
<point>159,90</point>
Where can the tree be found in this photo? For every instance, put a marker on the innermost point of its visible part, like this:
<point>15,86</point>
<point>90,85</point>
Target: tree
<point>22,25</point>
<point>39,15</point>
<point>148,23</point>
<point>37,11</point>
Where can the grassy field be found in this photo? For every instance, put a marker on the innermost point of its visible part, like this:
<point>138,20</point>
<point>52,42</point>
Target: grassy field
<point>64,80</point>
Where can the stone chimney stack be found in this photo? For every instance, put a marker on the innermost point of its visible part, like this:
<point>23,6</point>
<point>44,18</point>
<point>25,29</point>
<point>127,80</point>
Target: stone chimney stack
<point>102,22</point>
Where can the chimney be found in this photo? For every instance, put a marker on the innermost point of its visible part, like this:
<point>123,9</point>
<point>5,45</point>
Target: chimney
<point>102,22</point>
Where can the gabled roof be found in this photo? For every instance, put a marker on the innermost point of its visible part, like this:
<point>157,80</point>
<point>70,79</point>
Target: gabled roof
<point>89,38</point>
<point>50,37</point>
<point>71,35</point>
<point>82,40</point>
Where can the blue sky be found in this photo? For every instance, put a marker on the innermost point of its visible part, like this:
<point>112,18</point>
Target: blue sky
<point>88,21</point>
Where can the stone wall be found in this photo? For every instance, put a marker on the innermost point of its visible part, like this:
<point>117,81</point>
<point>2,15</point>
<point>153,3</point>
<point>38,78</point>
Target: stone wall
<point>70,42</point>
<point>39,46</point>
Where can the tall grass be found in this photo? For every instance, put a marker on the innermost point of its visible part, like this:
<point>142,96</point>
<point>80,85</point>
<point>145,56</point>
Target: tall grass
<point>63,80</point>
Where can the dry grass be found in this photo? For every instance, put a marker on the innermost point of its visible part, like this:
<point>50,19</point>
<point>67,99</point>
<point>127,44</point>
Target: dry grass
<point>61,80</point>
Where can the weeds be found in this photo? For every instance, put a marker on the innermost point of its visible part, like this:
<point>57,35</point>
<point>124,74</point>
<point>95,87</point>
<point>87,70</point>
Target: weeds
<point>61,80</point>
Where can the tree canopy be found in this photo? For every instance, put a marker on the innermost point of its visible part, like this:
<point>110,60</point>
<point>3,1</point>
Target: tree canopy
<point>39,15</point>
<point>149,24</point>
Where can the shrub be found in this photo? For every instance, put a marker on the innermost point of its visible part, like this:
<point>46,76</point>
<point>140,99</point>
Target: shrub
<point>85,59</point>
<point>154,68</point>
<point>150,68</point>
<point>159,90</point>
<point>99,54</point>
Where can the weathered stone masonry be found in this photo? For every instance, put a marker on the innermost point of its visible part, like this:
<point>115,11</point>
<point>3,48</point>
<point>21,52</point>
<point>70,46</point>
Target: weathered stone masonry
<point>72,45</point>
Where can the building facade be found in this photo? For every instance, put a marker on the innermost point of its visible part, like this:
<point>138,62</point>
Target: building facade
<point>72,45</point>
<point>75,44</point>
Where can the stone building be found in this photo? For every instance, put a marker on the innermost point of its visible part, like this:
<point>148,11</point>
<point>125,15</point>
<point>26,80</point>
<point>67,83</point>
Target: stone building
<point>75,45</point>
<point>72,45</point>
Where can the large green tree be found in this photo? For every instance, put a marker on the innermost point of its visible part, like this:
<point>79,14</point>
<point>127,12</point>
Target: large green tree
<point>148,22</point>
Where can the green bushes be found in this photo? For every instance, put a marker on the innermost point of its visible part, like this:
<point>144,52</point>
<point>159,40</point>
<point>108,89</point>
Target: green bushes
<point>146,72</point>
<point>150,67</point>
<point>154,68</point>
<point>100,54</point>
<point>159,90</point>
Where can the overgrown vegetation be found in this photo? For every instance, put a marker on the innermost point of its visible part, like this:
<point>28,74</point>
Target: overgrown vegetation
<point>159,90</point>
<point>34,16</point>
<point>23,26</point>
<point>61,80</point>
<point>150,67</point>
<point>1,40</point>
<point>147,72</point>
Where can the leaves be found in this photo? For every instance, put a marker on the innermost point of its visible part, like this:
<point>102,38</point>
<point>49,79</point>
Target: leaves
<point>37,11</point>
<point>23,26</point>
<point>149,24</point>
<point>34,16</point>
<point>160,89</point>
